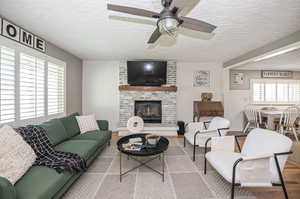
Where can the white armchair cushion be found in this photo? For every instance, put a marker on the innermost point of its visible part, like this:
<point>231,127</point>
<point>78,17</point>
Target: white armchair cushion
<point>255,171</point>
<point>201,137</point>
<point>223,143</point>
<point>223,162</point>
<point>194,127</point>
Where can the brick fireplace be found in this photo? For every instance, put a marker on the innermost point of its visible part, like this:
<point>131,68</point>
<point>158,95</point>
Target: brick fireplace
<point>166,99</point>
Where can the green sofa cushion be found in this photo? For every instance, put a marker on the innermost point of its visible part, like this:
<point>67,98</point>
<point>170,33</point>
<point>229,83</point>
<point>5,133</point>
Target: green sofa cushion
<point>41,182</point>
<point>83,148</point>
<point>55,131</point>
<point>102,136</point>
<point>7,190</point>
<point>103,125</point>
<point>70,124</point>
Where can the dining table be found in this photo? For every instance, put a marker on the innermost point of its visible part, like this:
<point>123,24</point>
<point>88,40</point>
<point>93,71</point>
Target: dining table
<point>272,116</point>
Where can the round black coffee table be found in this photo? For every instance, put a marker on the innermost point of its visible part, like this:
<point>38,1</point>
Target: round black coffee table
<point>156,151</point>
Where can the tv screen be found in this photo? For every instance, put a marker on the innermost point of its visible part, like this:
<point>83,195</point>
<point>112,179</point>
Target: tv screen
<point>146,73</point>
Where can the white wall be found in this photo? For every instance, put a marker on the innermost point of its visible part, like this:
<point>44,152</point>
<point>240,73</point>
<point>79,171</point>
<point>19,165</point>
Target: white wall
<point>100,94</point>
<point>187,93</point>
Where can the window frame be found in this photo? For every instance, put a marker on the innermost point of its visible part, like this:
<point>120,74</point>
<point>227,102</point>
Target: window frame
<point>272,80</point>
<point>18,48</point>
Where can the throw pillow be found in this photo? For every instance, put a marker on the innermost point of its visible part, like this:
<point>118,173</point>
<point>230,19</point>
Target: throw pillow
<point>87,123</point>
<point>16,156</point>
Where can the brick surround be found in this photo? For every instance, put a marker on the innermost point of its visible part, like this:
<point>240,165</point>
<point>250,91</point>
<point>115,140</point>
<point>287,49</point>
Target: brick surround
<point>127,98</point>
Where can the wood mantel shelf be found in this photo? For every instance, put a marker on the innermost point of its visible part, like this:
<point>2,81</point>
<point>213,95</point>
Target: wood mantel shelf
<point>148,88</point>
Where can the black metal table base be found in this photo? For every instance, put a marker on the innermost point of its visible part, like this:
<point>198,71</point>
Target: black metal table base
<point>141,164</point>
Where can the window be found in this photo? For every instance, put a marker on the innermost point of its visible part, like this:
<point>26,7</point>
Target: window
<point>56,88</point>
<point>32,87</point>
<point>272,91</point>
<point>7,85</point>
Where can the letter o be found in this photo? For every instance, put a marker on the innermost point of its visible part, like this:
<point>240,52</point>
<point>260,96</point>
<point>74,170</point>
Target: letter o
<point>11,30</point>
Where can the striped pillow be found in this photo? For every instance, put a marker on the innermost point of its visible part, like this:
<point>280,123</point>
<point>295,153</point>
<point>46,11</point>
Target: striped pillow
<point>87,123</point>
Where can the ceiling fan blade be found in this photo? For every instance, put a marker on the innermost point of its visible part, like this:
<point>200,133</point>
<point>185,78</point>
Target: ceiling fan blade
<point>154,37</point>
<point>133,11</point>
<point>198,25</point>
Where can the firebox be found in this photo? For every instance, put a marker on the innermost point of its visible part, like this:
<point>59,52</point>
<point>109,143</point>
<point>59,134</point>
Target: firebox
<point>150,111</point>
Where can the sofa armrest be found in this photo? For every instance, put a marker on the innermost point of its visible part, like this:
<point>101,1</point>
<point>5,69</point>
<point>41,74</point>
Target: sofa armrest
<point>7,190</point>
<point>103,125</point>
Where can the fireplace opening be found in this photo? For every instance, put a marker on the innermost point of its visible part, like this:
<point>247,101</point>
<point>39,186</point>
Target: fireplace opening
<point>149,111</point>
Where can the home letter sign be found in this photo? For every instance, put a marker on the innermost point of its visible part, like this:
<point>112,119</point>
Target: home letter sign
<point>10,30</point>
<point>0,26</point>
<point>26,38</point>
<point>14,32</point>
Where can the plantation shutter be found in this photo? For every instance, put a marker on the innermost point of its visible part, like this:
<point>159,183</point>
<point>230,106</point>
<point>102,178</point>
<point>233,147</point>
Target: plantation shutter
<point>7,85</point>
<point>32,87</point>
<point>258,91</point>
<point>275,91</point>
<point>56,88</point>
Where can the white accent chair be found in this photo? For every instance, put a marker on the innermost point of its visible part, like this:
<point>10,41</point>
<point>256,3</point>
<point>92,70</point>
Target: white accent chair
<point>198,132</point>
<point>287,121</point>
<point>260,145</point>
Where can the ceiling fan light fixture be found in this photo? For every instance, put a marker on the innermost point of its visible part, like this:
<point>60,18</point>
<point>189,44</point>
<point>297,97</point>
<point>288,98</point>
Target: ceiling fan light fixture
<point>168,25</point>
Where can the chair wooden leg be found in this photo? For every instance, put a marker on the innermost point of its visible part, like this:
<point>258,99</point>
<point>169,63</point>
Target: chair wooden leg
<point>184,141</point>
<point>246,127</point>
<point>280,129</point>
<point>295,134</point>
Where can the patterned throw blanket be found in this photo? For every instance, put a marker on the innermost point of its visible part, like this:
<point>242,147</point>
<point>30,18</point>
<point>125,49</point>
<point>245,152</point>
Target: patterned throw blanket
<point>46,155</point>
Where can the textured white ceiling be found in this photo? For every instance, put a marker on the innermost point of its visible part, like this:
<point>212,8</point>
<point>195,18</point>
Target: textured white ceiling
<point>86,29</point>
<point>288,61</point>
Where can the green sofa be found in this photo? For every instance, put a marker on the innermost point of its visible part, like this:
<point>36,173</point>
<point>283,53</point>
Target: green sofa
<point>44,183</point>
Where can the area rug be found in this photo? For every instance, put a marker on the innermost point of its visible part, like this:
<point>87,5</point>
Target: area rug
<point>184,179</point>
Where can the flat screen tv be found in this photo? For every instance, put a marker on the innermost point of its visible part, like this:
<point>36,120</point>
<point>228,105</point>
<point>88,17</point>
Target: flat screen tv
<point>146,73</point>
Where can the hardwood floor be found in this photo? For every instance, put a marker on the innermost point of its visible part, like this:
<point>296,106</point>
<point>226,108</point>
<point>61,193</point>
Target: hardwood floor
<point>292,181</point>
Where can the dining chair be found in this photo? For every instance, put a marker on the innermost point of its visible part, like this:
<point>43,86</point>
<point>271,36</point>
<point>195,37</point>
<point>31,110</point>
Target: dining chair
<point>287,121</point>
<point>253,117</point>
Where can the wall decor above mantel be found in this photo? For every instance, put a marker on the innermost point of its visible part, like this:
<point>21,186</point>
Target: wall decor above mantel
<point>22,36</point>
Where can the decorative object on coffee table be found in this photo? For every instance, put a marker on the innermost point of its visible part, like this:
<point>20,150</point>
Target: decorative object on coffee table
<point>136,145</point>
<point>135,124</point>
<point>152,139</point>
